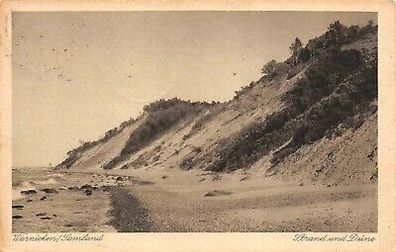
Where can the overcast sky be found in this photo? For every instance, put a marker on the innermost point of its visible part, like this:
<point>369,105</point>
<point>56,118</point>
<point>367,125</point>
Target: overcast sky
<point>78,74</point>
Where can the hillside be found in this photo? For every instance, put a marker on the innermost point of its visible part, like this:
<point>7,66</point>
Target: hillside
<point>310,118</point>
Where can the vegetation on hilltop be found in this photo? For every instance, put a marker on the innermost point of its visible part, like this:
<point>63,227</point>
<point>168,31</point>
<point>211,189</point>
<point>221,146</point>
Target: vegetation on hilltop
<point>337,88</point>
<point>161,116</point>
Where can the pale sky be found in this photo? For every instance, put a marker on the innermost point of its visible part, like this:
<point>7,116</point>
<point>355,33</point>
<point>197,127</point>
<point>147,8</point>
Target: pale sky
<point>78,74</point>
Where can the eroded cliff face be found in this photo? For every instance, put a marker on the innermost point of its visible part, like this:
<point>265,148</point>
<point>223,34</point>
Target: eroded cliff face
<point>315,119</point>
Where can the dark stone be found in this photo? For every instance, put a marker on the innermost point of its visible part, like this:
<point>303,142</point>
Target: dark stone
<point>106,188</point>
<point>49,190</point>
<point>143,182</point>
<point>44,198</point>
<point>217,193</point>
<point>119,178</point>
<point>17,207</point>
<point>17,217</point>
<point>86,186</point>
<point>72,188</point>
<point>29,192</point>
<point>46,218</point>
<point>41,214</point>
<point>88,192</point>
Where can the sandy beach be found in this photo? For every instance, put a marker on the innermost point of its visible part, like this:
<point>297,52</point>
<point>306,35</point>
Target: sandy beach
<point>193,201</point>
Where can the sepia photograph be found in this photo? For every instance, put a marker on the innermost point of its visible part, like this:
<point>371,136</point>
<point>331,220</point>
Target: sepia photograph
<point>194,121</point>
<point>195,126</point>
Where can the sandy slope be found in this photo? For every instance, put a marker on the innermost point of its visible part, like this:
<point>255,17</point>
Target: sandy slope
<point>348,159</point>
